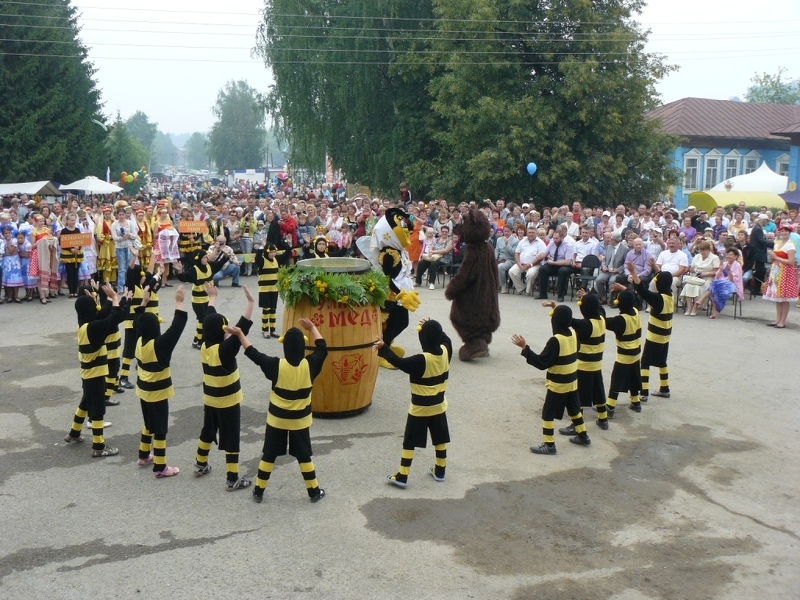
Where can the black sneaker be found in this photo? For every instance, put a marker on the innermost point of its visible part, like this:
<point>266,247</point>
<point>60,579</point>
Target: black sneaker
<point>235,285</point>
<point>610,412</point>
<point>581,441</point>
<point>643,398</point>
<point>126,384</point>
<point>395,481</point>
<point>660,394</point>
<point>567,430</point>
<point>196,345</point>
<point>544,449</point>
<point>119,389</point>
<point>319,496</point>
<point>602,424</point>
<point>635,407</point>
<point>258,496</point>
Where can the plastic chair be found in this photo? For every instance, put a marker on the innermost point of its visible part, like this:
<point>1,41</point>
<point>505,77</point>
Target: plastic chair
<point>587,275</point>
<point>733,298</point>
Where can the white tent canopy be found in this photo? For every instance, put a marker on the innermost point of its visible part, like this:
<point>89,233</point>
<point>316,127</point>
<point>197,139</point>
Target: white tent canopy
<point>763,179</point>
<point>32,188</point>
<point>91,185</point>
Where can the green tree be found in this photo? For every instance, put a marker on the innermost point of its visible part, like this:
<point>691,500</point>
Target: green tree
<point>236,140</point>
<point>773,89</point>
<point>47,102</point>
<point>457,96</point>
<point>196,149</point>
<point>140,127</point>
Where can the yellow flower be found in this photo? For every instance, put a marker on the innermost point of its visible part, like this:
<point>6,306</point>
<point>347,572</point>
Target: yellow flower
<point>343,299</point>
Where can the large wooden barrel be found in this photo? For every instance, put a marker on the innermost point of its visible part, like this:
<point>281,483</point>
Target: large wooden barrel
<point>347,381</point>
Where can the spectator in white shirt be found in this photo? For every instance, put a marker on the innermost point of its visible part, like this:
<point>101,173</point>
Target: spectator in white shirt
<point>674,260</point>
<point>528,255</point>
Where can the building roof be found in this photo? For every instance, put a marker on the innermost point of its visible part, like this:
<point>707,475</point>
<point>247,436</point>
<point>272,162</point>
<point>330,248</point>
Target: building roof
<point>702,117</point>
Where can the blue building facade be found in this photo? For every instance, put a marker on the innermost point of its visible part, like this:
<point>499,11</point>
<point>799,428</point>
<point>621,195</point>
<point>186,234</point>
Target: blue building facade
<point>722,139</point>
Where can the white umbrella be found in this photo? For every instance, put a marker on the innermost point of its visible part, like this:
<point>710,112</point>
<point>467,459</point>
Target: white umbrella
<point>92,185</point>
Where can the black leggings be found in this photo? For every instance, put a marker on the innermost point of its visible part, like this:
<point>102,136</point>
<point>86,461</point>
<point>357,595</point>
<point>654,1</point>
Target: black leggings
<point>72,277</point>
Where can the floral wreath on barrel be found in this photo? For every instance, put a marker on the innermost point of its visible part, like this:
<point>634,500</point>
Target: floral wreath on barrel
<point>318,285</point>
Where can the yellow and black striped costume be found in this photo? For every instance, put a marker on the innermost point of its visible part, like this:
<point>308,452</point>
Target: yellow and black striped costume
<point>289,414</point>
<point>114,349</point>
<point>268,291</point>
<point>428,376</point>
<point>93,358</point>
<point>656,345</point>
<point>559,359</point>
<point>154,382</point>
<point>625,376</point>
<point>222,397</point>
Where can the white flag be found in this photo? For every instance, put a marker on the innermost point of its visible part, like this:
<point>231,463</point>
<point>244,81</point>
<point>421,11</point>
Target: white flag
<point>108,174</point>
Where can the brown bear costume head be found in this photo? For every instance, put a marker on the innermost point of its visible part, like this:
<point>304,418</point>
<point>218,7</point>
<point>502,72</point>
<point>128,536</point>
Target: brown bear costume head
<point>475,227</point>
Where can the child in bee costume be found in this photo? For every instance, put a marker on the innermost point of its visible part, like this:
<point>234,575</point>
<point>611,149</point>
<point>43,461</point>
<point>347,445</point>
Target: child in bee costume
<point>428,373</point>
<point>659,330</point>
<point>625,376</point>
<point>136,281</point>
<point>289,412</point>
<point>560,359</point>
<point>591,332</point>
<point>154,380</point>
<point>268,290</point>
<point>203,270</point>
<point>222,391</point>
<point>93,357</point>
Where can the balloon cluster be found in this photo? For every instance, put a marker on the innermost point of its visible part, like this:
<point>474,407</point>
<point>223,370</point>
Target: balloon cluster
<point>130,178</point>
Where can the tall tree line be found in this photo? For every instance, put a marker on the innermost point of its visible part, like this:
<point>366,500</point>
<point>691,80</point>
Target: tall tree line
<point>457,96</point>
<point>47,102</point>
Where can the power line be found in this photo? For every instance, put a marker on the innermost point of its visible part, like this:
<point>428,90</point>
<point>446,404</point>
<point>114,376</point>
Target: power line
<point>378,17</point>
<point>380,63</point>
<point>388,51</point>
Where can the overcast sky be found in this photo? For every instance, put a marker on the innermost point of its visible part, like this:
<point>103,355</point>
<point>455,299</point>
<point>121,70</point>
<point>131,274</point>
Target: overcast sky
<point>170,59</point>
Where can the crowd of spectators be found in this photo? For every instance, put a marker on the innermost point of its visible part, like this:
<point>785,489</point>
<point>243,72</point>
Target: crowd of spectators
<point>538,248</point>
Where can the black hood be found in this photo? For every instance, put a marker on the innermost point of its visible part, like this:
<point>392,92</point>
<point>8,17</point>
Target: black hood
<point>86,307</point>
<point>664,282</point>
<point>149,327</point>
<point>214,329</point>
<point>590,307</point>
<point>561,320</point>
<point>626,302</point>
<point>430,337</point>
<point>294,346</point>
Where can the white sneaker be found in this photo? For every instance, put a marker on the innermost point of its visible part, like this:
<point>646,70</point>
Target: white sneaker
<point>431,287</point>
<point>105,424</point>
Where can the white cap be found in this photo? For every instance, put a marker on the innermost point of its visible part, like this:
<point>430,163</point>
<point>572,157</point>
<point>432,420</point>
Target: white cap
<point>763,216</point>
<point>526,205</point>
<point>606,213</point>
<point>691,208</point>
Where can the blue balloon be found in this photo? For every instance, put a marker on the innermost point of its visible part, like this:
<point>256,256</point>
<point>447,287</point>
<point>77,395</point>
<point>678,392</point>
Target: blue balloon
<point>531,168</point>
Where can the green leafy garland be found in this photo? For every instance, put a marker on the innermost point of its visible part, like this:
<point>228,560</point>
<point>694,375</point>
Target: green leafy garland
<point>318,285</point>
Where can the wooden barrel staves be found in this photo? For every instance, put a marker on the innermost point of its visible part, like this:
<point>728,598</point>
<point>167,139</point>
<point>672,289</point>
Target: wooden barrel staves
<point>347,381</point>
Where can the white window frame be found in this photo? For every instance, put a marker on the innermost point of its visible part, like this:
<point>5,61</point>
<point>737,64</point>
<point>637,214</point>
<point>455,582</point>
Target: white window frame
<point>707,181</point>
<point>733,155</point>
<point>752,155</point>
<point>782,164</point>
<point>692,154</point>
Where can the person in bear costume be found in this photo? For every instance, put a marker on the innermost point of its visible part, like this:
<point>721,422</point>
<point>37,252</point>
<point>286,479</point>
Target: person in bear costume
<point>387,250</point>
<point>474,311</point>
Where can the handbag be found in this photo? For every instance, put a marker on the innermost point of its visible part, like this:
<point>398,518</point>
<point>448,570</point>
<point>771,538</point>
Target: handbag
<point>431,257</point>
<point>693,280</point>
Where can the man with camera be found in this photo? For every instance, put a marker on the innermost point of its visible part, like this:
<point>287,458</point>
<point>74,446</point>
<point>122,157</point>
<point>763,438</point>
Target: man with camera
<point>231,269</point>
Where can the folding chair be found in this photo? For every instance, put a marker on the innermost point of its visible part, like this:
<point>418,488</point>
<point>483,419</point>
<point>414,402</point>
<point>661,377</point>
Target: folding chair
<point>586,276</point>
